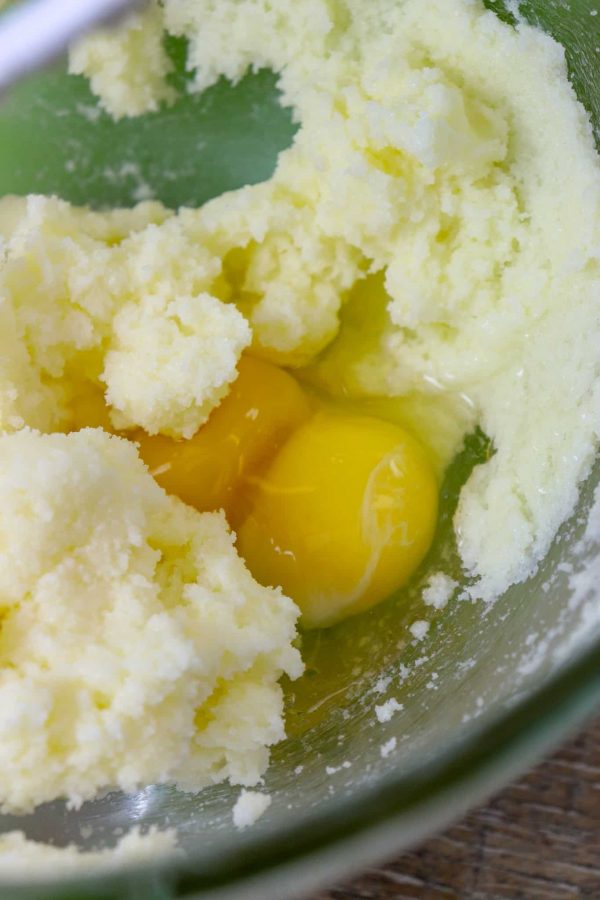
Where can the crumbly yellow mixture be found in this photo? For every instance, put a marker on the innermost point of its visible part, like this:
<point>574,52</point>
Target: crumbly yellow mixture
<point>131,66</point>
<point>443,175</point>
<point>21,858</point>
<point>115,300</point>
<point>446,150</point>
<point>135,646</point>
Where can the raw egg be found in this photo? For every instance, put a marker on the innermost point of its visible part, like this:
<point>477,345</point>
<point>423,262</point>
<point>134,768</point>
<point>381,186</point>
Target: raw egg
<point>342,517</point>
<point>265,404</point>
<point>336,508</point>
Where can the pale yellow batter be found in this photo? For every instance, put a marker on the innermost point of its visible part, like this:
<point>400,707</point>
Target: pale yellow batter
<point>443,175</point>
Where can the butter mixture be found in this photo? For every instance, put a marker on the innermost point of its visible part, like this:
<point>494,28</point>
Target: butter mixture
<point>21,858</point>
<point>135,645</point>
<point>431,238</point>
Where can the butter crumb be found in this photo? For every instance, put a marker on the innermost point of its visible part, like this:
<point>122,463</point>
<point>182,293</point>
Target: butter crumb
<point>249,807</point>
<point>388,748</point>
<point>419,629</point>
<point>386,710</point>
<point>439,590</point>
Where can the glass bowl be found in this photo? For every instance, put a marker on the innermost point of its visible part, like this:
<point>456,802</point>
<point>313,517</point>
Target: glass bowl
<point>483,695</point>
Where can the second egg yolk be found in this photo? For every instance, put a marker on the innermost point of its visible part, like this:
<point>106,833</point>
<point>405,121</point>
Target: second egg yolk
<point>337,509</point>
<point>245,431</point>
<point>343,516</point>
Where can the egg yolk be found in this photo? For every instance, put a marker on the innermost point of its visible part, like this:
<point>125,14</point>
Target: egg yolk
<point>336,508</point>
<point>343,516</point>
<point>245,431</point>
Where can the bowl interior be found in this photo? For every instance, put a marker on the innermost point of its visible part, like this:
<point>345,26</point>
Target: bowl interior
<point>474,667</point>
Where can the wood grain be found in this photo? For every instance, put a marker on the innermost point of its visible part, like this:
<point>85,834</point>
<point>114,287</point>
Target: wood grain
<point>539,838</point>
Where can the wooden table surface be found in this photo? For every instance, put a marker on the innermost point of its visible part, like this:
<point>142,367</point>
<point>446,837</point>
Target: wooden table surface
<point>540,838</point>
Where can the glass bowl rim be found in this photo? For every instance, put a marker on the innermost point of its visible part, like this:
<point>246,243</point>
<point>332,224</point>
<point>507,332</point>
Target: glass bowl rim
<point>385,816</point>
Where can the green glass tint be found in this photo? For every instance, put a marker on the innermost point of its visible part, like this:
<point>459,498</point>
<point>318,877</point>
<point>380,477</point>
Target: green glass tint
<point>54,139</point>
